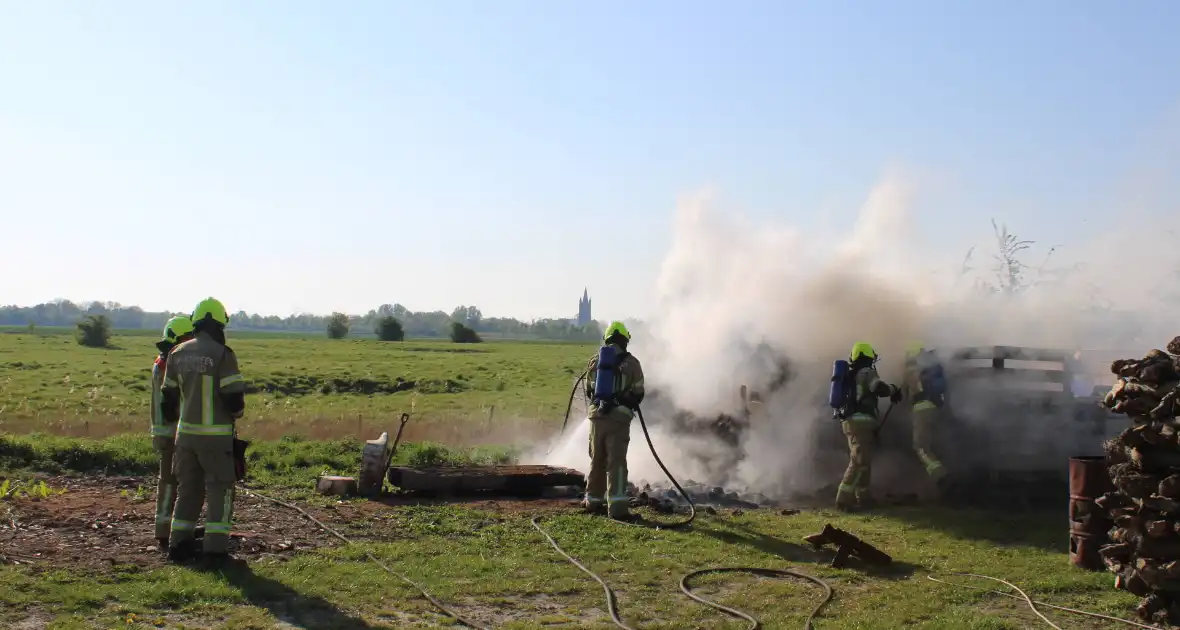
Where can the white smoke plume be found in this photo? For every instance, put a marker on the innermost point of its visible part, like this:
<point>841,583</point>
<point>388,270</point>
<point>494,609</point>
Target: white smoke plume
<point>729,284</point>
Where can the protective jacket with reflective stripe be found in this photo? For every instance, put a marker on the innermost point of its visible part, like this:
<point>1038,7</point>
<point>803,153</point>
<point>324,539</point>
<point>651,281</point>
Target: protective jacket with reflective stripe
<point>203,370</point>
<point>912,383</point>
<point>869,387</point>
<point>161,427</point>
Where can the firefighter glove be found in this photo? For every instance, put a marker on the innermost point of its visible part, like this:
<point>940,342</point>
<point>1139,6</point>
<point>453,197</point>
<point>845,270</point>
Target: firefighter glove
<point>895,395</point>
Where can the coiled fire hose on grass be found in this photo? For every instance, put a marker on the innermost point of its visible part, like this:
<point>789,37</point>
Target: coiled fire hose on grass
<point>612,600</point>
<point>612,604</point>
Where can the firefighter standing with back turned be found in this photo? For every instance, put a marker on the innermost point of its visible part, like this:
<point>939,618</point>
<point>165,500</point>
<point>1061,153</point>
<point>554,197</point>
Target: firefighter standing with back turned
<point>925,388</point>
<point>614,387</point>
<point>177,330</point>
<point>205,393</point>
<point>859,421</point>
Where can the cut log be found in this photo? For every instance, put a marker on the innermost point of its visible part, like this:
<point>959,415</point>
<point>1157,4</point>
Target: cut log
<point>1144,464</point>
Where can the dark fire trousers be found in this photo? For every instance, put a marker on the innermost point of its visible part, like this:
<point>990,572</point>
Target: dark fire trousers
<point>609,439</point>
<point>204,471</point>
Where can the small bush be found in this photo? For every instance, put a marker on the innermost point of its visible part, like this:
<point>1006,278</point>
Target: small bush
<point>338,326</point>
<point>463,334</point>
<point>389,329</point>
<point>94,331</point>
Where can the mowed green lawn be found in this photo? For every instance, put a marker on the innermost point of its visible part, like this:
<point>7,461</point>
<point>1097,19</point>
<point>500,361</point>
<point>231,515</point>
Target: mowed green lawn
<point>483,559</point>
<point>312,385</point>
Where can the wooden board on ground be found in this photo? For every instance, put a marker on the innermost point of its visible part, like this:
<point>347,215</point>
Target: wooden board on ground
<point>528,479</point>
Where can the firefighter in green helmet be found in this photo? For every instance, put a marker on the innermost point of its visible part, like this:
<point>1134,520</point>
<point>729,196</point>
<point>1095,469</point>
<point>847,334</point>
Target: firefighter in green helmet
<point>860,421</point>
<point>177,330</point>
<point>925,387</point>
<point>204,393</point>
<point>610,421</point>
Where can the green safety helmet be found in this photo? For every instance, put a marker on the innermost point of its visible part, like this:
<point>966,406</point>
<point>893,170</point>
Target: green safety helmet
<point>210,310</point>
<point>616,328</point>
<point>862,349</point>
<point>176,328</point>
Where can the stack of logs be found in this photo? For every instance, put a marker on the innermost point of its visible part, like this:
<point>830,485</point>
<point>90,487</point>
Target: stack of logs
<point>1144,464</point>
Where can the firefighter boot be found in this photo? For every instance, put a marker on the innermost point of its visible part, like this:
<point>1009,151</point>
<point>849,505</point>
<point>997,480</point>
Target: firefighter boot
<point>184,551</point>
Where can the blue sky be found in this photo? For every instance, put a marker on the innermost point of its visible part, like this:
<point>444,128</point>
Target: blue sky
<point>320,156</point>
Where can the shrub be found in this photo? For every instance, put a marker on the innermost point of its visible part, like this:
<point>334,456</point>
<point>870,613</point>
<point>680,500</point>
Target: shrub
<point>389,329</point>
<point>338,325</point>
<point>94,331</point>
<point>463,334</point>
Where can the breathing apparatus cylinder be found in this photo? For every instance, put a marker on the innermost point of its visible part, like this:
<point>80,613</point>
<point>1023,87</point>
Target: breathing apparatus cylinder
<point>836,392</point>
<point>604,378</point>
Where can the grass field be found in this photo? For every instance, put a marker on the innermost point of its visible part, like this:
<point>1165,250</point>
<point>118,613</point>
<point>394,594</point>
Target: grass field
<point>82,559</point>
<point>309,385</point>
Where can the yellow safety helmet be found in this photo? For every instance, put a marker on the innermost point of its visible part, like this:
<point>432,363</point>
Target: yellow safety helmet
<point>862,349</point>
<point>914,348</point>
<point>176,328</point>
<point>616,327</point>
<point>210,310</point>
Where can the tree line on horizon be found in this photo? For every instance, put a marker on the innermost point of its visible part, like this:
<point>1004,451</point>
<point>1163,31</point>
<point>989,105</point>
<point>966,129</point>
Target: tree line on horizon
<point>413,323</point>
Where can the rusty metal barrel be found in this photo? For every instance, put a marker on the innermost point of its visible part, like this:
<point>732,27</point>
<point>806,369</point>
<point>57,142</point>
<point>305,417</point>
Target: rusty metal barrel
<point>1088,524</point>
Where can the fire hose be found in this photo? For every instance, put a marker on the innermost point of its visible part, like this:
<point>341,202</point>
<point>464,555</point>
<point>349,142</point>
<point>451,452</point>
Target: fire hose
<point>612,600</point>
<point>612,604</point>
<point>1033,604</point>
<point>372,558</point>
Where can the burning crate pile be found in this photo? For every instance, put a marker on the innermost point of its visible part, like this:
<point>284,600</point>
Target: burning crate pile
<point>1144,465</point>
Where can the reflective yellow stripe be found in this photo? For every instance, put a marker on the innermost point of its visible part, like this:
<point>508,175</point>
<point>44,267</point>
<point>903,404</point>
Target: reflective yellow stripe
<point>164,513</point>
<point>182,526</point>
<point>861,417</point>
<point>203,429</point>
<point>164,430</point>
<point>217,528</point>
<point>228,507</point>
<point>206,399</point>
<point>156,414</point>
<point>231,379</point>
<point>924,405</point>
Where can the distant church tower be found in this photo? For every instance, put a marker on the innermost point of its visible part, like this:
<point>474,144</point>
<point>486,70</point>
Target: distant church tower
<point>584,316</point>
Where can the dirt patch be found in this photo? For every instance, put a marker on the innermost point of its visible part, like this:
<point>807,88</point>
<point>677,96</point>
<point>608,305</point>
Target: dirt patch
<point>498,611</point>
<point>99,523</point>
